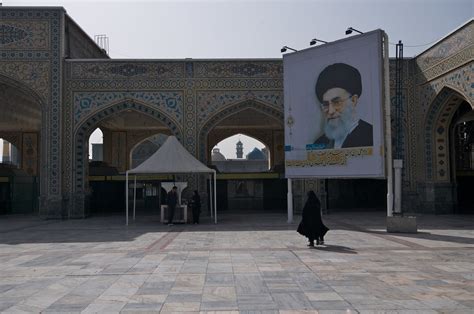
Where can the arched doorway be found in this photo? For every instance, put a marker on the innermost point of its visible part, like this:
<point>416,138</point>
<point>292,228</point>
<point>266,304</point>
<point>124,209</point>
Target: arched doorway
<point>446,136</point>
<point>20,129</point>
<point>462,151</point>
<point>237,156</point>
<point>240,153</point>
<point>96,145</point>
<point>123,125</point>
<point>258,190</point>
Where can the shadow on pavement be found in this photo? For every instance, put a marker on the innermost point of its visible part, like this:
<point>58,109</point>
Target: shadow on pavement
<point>31,229</point>
<point>336,249</point>
<point>434,237</point>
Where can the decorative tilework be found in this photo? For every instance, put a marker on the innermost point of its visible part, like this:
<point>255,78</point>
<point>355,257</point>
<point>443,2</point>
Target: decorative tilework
<point>24,34</point>
<point>229,110</point>
<point>460,80</point>
<point>34,74</point>
<point>189,141</point>
<point>86,103</point>
<point>398,137</point>
<point>127,84</point>
<point>43,43</point>
<point>459,40</point>
<point>124,70</point>
<point>449,64</point>
<point>83,131</point>
<point>10,34</point>
<point>235,69</point>
<point>30,153</point>
<point>208,102</point>
<point>54,134</point>
<point>437,135</point>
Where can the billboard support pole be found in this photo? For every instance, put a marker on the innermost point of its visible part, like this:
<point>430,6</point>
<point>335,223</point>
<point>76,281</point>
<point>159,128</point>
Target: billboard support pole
<point>388,127</point>
<point>290,202</point>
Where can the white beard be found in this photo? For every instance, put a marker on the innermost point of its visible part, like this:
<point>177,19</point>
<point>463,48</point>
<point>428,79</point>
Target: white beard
<point>337,129</point>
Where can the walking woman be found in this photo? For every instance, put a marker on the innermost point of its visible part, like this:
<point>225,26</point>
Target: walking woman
<point>196,206</point>
<point>312,226</point>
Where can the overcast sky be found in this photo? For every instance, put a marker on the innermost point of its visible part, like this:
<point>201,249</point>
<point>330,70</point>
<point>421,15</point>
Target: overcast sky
<point>165,29</point>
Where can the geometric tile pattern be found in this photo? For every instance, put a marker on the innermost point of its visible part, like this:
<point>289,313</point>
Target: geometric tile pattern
<point>23,34</point>
<point>34,34</point>
<point>437,144</point>
<point>210,102</point>
<point>86,103</point>
<point>83,132</point>
<point>443,71</point>
<point>236,69</point>
<point>451,45</point>
<point>437,114</point>
<point>229,110</point>
<point>125,70</point>
<point>34,74</point>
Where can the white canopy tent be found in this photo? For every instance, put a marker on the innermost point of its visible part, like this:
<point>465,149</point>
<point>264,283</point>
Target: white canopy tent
<point>171,158</point>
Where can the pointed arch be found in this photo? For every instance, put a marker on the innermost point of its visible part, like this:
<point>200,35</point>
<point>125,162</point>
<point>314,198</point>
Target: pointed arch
<point>83,131</point>
<point>31,144</point>
<point>231,110</point>
<point>436,139</point>
<point>25,89</point>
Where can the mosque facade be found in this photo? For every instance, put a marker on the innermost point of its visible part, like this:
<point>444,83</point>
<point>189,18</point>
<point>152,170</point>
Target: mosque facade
<point>57,86</point>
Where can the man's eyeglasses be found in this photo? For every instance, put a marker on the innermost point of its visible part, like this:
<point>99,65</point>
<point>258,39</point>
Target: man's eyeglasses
<point>336,102</point>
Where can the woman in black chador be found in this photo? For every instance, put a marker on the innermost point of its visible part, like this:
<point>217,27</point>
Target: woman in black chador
<point>196,206</point>
<point>312,226</point>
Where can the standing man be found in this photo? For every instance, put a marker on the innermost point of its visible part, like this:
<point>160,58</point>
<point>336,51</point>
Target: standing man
<point>338,90</point>
<point>196,206</point>
<point>172,200</point>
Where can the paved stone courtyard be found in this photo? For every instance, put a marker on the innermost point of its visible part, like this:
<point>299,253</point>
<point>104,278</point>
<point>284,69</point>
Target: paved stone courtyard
<point>251,263</point>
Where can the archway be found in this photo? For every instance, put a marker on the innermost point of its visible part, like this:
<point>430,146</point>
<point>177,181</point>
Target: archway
<point>260,190</point>
<point>252,118</point>
<point>240,153</point>
<point>462,152</point>
<point>96,145</point>
<point>123,125</point>
<point>21,119</point>
<point>440,150</point>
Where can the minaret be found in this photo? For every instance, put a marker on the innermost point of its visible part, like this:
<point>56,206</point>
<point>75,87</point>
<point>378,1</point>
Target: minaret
<point>240,149</point>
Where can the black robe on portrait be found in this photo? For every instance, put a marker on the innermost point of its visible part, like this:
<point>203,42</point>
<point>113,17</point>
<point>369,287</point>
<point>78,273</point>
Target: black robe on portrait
<point>312,226</point>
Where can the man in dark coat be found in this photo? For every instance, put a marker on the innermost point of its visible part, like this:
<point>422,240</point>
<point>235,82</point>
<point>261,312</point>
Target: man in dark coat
<point>338,90</point>
<point>312,226</point>
<point>172,201</point>
<point>196,206</point>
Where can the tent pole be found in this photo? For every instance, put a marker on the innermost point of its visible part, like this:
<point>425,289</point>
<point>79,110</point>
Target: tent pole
<point>134,196</point>
<point>210,197</point>
<point>126,198</point>
<point>215,199</point>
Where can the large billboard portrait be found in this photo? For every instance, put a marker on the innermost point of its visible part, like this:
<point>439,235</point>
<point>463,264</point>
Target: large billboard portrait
<point>334,109</point>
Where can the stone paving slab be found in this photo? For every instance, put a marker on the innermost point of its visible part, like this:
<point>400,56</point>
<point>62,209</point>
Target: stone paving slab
<point>251,263</point>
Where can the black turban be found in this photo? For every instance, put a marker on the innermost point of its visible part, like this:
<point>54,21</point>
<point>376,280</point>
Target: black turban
<point>339,75</point>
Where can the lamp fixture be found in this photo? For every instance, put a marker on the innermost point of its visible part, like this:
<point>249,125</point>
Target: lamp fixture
<point>314,41</point>
<point>284,48</point>
<point>349,30</point>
